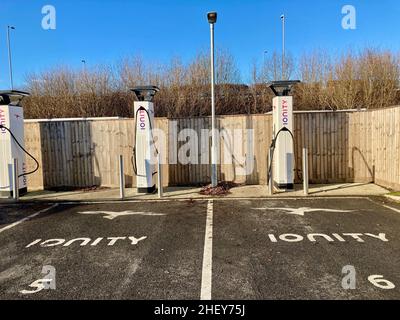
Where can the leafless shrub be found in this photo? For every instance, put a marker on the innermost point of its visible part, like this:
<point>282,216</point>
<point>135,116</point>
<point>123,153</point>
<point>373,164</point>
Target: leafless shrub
<point>369,79</point>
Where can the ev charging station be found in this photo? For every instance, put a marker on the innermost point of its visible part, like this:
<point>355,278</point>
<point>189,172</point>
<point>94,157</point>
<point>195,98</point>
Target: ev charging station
<point>144,158</point>
<point>12,142</point>
<point>282,159</point>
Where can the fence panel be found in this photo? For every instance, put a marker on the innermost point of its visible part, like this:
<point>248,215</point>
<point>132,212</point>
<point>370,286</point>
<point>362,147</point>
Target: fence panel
<point>342,146</point>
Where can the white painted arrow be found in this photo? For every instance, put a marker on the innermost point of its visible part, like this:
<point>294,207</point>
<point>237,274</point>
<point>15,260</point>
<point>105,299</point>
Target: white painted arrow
<point>113,214</point>
<point>301,211</point>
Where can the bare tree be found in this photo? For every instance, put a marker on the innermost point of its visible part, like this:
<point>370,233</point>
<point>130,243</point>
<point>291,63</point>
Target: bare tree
<point>368,79</point>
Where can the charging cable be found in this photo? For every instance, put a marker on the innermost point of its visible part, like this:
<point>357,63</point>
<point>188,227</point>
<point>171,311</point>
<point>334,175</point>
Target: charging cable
<point>134,164</point>
<point>23,149</point>
<point>273,145</point>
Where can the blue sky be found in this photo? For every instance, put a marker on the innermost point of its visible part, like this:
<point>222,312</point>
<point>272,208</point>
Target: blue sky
<point>103,31</point>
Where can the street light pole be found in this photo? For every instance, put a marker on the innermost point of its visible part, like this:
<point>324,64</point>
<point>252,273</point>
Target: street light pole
<point>212,19</point>
<point>264,53</point>
<point>9,56</point>
<point>264,60</point>
<point>283,46</point>
<point>264,66</point>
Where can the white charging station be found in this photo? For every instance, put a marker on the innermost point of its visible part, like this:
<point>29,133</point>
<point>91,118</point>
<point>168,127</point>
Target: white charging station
<point>11,129</point>
<point>144,148</point>
<point>282,134</point>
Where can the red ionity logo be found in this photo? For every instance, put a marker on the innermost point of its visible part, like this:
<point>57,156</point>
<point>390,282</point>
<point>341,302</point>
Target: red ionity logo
<point>285,112</point>
<point>24,179</point>
<point>142,119</point>
<point>3,120</point>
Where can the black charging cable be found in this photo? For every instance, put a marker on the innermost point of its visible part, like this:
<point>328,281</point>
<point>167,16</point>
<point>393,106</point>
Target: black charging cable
<point>23,149</point>
<point>273,145</point>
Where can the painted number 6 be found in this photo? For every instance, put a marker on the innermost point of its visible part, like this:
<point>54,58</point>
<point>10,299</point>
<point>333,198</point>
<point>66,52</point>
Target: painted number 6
<point>378,281</point>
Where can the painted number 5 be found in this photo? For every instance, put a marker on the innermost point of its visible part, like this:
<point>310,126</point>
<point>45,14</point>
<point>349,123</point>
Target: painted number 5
<point>378,281</point>
<point>38,284</point>
<point>48,282</point>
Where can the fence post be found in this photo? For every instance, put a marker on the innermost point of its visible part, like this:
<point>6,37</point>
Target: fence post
<point>305,171</point>
<point>121,177</point>
<point>15,179</point>
<point>270,174</point>
<point>159,176</point>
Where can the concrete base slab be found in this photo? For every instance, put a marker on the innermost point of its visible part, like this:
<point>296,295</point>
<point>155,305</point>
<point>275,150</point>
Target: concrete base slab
<point>248,191</point>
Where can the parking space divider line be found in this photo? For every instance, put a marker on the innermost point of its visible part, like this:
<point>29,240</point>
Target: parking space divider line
<point>384,205</point>
<point>391,208</point>
<point>206,276</point>
<point>28,218</point>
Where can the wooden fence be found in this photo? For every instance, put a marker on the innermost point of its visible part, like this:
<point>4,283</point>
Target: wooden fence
<point>343,147</point>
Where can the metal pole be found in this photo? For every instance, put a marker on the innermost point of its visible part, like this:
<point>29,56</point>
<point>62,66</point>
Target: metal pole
<point>271,178</point>
<point>121,177</point>
<point>160,186</point>
<point>305,171</point>
<point>264,58</point>
<point>15,179</point>
<point>283,47</point>
<point>264,67</point>
<point>9,56</point>
<point>214,177</point>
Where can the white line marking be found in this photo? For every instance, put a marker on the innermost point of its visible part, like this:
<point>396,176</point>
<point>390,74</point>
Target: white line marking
<point>27,218</point>
<point>301,211</point>
<point>397,210</point>
<point>115,214</point>
<point>206,276</point>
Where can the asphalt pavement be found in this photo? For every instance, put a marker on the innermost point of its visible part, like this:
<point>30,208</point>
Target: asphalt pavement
<point>255,249</point>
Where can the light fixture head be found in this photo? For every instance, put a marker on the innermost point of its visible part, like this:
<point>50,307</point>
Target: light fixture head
<point>212,17</point>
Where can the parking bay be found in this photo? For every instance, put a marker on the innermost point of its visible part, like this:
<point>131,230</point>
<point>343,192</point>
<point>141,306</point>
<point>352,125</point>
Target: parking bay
<point>261,249</point>
<point>297,249</point>
<point>146,251</point>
